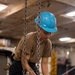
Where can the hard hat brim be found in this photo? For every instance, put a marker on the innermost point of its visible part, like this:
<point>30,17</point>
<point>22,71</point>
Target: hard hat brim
<point>50,30</point>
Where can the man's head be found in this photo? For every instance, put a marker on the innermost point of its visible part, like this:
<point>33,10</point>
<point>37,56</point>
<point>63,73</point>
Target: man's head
<point>47,22</point>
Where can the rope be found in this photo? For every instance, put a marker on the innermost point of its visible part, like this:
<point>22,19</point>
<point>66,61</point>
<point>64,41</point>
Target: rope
<point>54,63</point>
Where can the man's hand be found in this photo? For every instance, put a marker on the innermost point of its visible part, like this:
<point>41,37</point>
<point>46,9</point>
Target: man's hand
<point>26,65</point>
<point>32,72</point>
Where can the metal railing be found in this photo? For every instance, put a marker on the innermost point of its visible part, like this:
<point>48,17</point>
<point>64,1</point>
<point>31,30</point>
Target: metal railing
<point>68,71</point>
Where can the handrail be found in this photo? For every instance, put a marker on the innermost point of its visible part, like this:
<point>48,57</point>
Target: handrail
<point>68,71</point>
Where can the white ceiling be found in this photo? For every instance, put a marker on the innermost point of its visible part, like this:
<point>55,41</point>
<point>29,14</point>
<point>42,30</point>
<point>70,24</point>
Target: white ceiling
<point>12,18</point>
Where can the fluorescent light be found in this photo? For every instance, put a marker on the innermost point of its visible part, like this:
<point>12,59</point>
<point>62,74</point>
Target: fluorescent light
<point>64,39</point>
<point>67,40</point>
<point>71,40</point>
<point>71,14</point>
<point>2,7</point>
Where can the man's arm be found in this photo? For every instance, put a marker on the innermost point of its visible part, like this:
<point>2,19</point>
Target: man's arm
<point>44,66</point>
<point>25,63</point>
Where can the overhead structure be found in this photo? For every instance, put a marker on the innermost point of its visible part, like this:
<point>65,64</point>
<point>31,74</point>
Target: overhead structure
<point>69,2</point>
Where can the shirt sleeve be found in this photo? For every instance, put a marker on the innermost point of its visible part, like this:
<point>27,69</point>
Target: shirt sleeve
<point>47,49</point>
<point>29,45</point>
<point>19,49</point>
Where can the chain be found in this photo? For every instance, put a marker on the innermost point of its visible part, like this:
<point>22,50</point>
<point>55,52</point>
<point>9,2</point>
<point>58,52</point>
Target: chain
<point>25,32</point>
<point>38,36</point>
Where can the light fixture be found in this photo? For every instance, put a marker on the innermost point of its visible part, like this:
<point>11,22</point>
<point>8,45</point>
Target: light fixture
<point>68,52</point>
<point>64,39</point>
<point>2,7</point>
<point>71,14</point>
<point>67,39</point>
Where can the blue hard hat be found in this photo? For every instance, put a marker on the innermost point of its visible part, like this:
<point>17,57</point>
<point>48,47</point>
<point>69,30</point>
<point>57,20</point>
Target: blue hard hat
<point>47,22</point>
